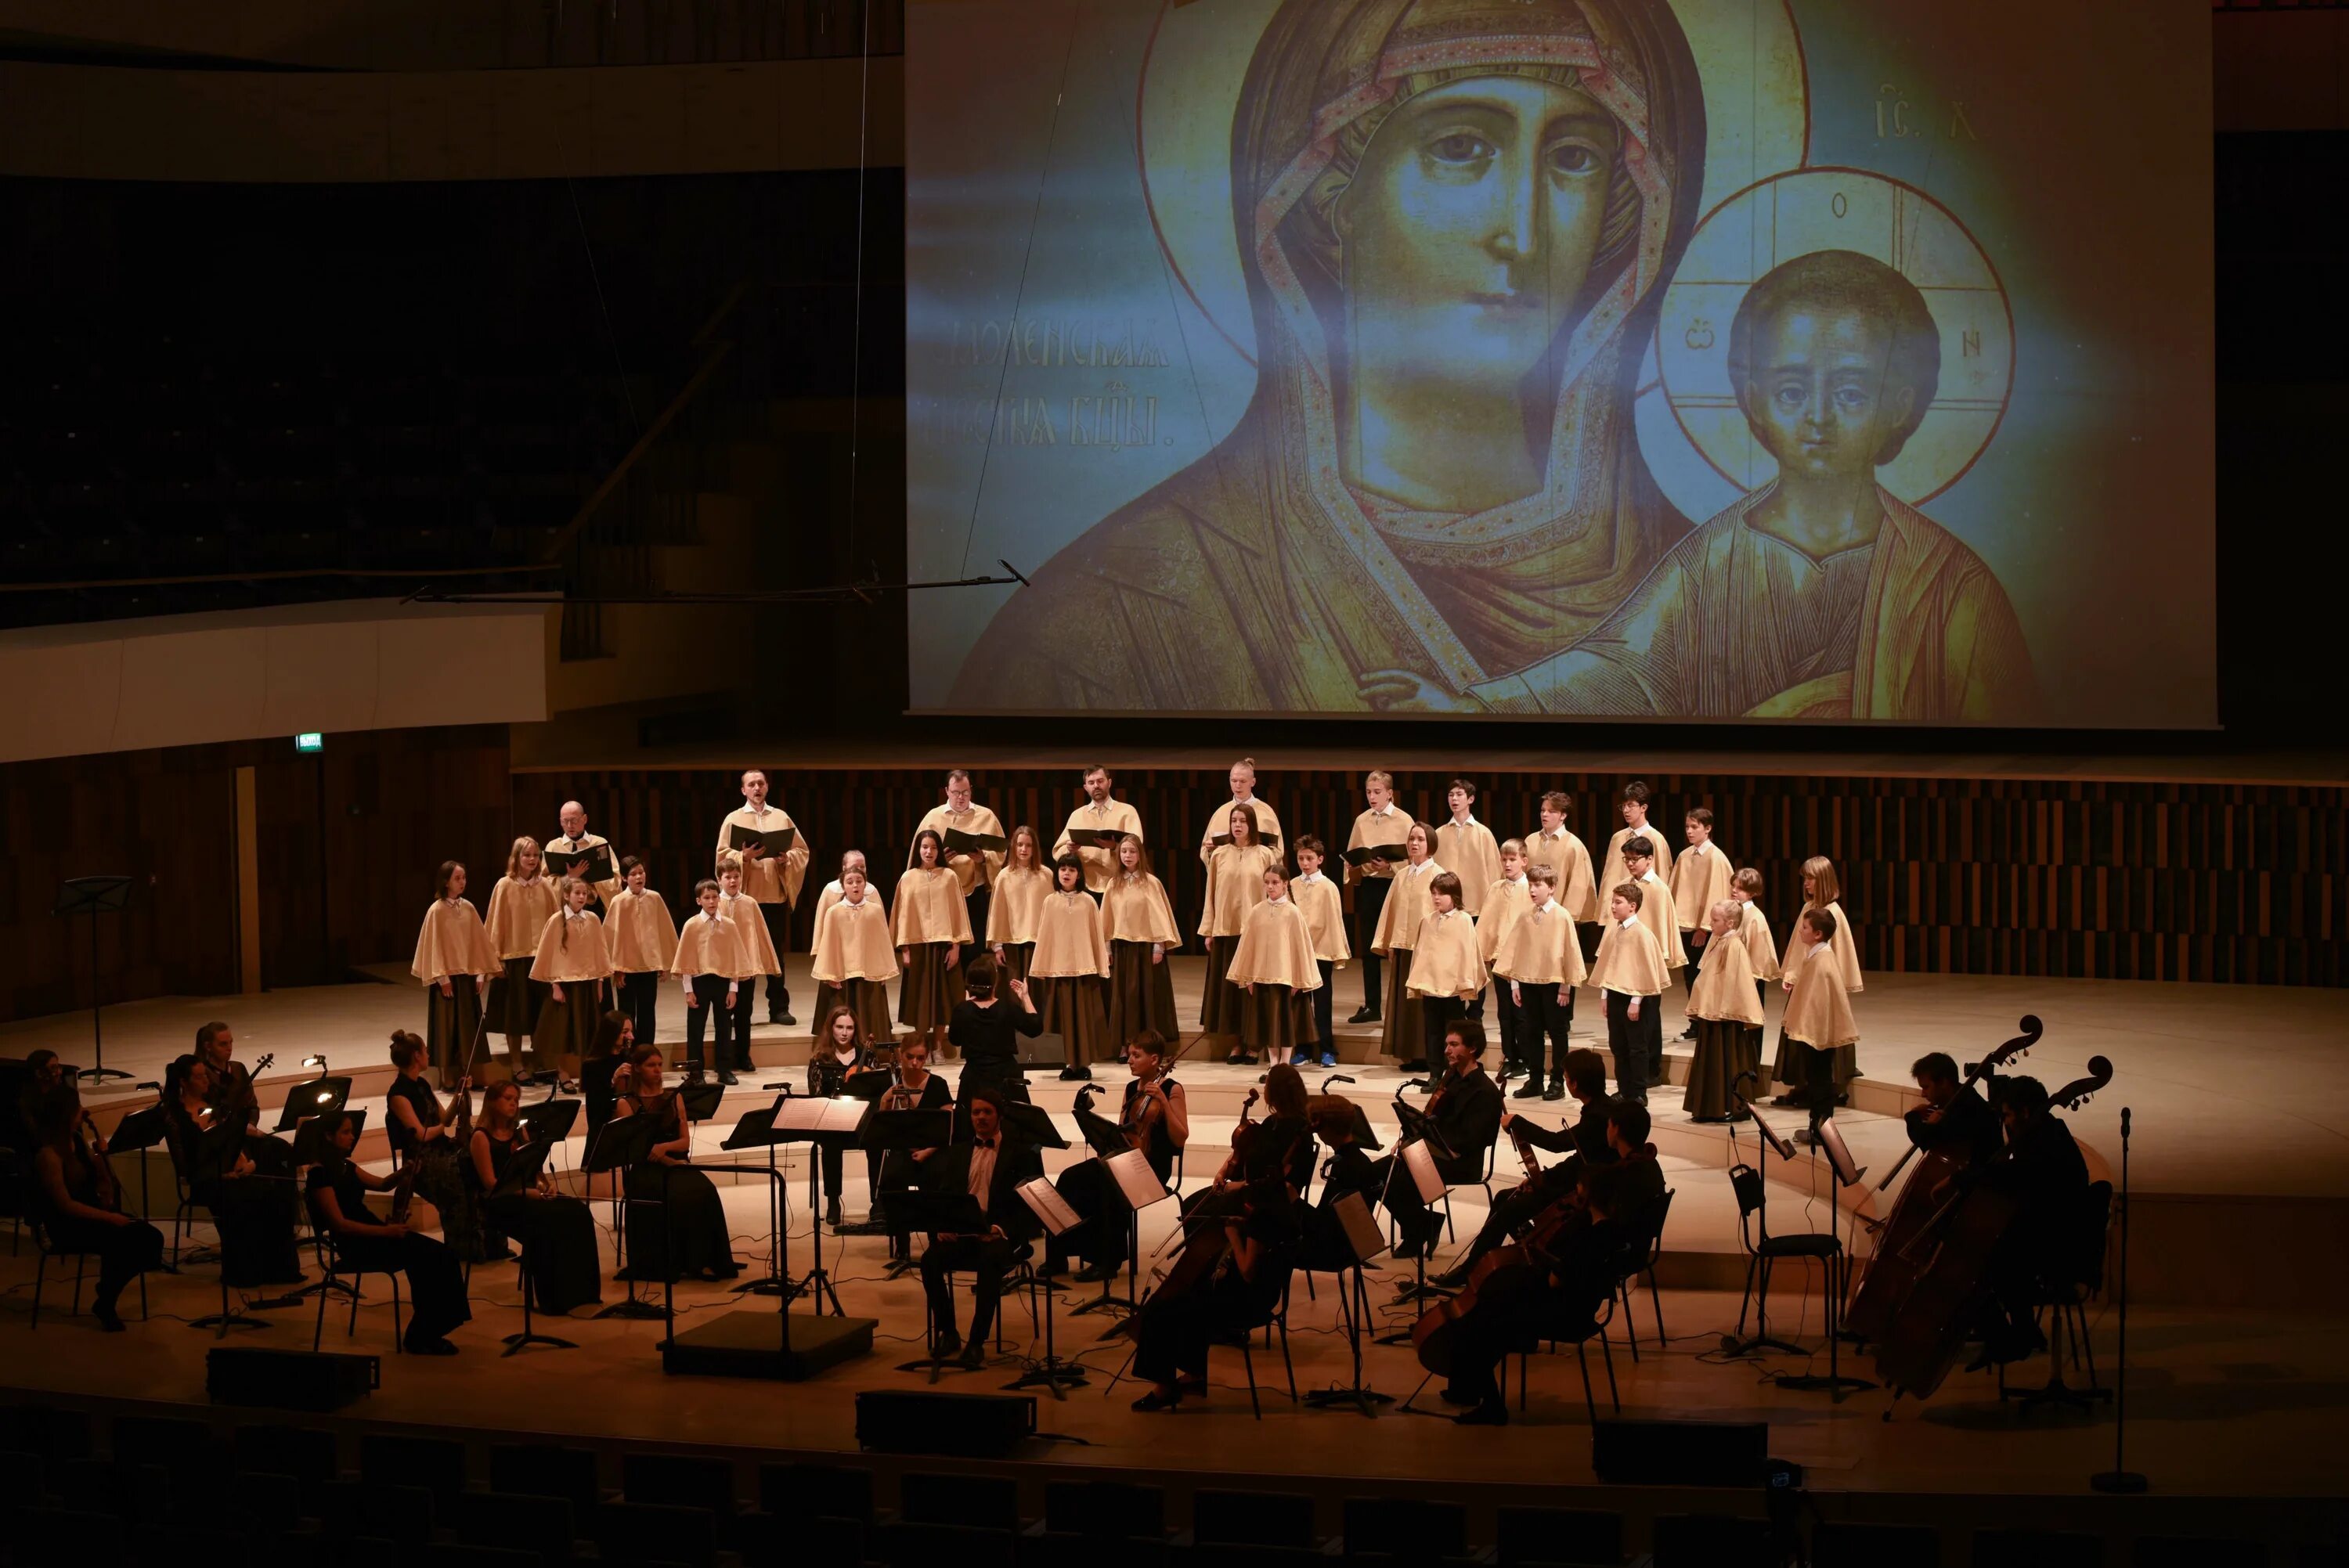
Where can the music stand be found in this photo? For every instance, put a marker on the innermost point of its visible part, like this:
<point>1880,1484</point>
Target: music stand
<point>216,1150</point>
<point>94,896</point>
<point>756,1129</point>
<point>1763,1339</point>
<point>1032,1124</point>
<point>134,1134</point>
<point>1829,1141</point>
<point>940,1213</point>
<point>907,1133</point>
<point>549,1122</point>
<point>1365,1241</point>
<point>1052,1211</point>
<point>316,1098</point>
<point>528,1164</point>
<point>825,1123</point>
<point>1418,1159</point>
<point>625,1142</point>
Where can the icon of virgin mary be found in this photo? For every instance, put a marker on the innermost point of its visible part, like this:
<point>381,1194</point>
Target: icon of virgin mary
<point>1458,219</point>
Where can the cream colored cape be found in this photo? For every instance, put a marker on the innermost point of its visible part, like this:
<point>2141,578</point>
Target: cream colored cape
<point>1371,831</point>
<point>1136,908</point>
<point>1630,961</point>
<point>851,942</point>
<point>639,933</point>
<point>1407,904</point>
<point>1657,914</point>
<point>1235,886</point>
<point>1616,873</point>
<point>928,908</point>
<point>707,946</point>
<point>1844,945</point>
<point>1444,961</point>
<point>767,879</point>
<point>750,934</point>
<point>518,912</point>
<point>1503,902</point>
<point>1275,949</point>
<point>1578,888</point>
<point>1013,909</point>
<point>1754,930</point>
<point>1115,817</point>
<point>452,942</point>
<point>1541,949</point>
<point>1698,882</point>
<point>972,870</point>
<point>582,957</point>
<point>1725,985</point>
<point>1471,853</point>
<point>1325,916</point>
<point>1069,938</point>
<point>1219,826</point>
<point>571,846</point>
<point>1818,1009</point>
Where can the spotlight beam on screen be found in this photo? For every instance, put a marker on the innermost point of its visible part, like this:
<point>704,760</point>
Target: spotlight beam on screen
<point>864,592</point>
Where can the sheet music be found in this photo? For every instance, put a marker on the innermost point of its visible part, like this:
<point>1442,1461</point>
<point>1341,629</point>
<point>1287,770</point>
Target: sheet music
<point>1420,1161</point>
<point>807,1113</point>
<point>1135,1178</point>
<point>1044,1200</point>
<point>1363,1234</point>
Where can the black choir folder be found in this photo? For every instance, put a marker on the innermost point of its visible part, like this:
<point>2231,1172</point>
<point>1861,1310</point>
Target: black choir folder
<point>961,843</point>
<point>773,842</point>
<point>1393,854</point>
<point>1095,837</point>
<point>596,858</point>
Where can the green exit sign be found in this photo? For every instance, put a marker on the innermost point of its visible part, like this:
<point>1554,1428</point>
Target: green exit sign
<point>311,742</point>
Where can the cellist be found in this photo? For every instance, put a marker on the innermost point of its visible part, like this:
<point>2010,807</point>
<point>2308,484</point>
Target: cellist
<point>2043,1171</point>
<point>1239,1293</point>
<point>1953,1115</point>
<point>1583,1143</point>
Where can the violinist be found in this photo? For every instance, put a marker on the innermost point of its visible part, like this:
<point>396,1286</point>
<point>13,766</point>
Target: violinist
<point>1155,1117</point>
<point>557,1231</point>
<point>80,1203</point>
<point>916,1089</point>
<point>1464,1112</point>
<point>2042,1171</point>
<point>840,1051</point>
<point>230,1091</point>
<point>1281,1144</point>
<point>1583,1143</point>
<point>1239,1293</point>
<point>43,1074</point>
<point>338,1191</point>
<point>245,1180</point>
<point>1953,1114</point>
<point>429,1135</point>
<point>989,1166</point>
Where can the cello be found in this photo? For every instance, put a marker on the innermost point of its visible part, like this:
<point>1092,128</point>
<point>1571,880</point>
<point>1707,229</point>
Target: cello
<point>1951,1253</point>
<point>1890,1274</point>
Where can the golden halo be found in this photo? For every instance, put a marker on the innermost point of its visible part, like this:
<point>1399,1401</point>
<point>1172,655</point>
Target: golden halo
<point>1748,56</point>
<point>1809,209</point>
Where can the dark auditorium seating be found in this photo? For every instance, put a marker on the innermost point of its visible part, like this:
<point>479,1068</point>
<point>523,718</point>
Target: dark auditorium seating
<point>817,1492</point>
<point>1253,1519</point>
<point>2036,1549</point>
<point>1559,1536</point>
<point>547,1470</point>
<point>1839,1545</point>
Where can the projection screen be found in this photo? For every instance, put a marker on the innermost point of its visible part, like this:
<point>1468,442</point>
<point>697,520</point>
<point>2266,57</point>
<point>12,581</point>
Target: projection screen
<point>1814,360</point>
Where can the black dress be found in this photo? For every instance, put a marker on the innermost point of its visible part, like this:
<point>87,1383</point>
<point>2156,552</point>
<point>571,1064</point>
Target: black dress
<point>254,1215</point>
<point>676,1225</point>
<point>989,1039</point>
<point>557,1235</point>
<point>436,1280</point>
<point>440,1178</point>
<point>124,1252</point>
<point>1173,1331</point>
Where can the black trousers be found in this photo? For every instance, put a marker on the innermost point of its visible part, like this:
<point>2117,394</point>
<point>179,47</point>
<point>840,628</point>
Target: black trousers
<point>1509,1021</point>
<point>1520,1206</point>
<point>735,1041</point>
<point>1634,1043</point>
<point>123,1252</point>
<point>436,1280</point>
<point>1544,1024</point>
<point>986,1260</point>
<point>1436,1013</point>
<point>712,989</point>
<point>639,996</point>
<point>1369,898</point>
<point>1325,1007</point>
<point>778,917</point>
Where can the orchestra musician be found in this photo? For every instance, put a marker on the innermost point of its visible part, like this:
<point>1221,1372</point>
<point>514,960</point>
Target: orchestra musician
<point>916,1089</point>
<point>557,1232</point>
<point>1235,1292</point>
<point>2043,1171</point>
<point>1464,1111</point>
<point>1583,1143</point>
<point>1155,1117</point>
<point>80,1201</point>
<point>840,1051</point>
<point>1953,1114</point>
<point>428,1135</point>
<point>1347,1169</point>
<point>338,1191</point>
<point>989,1166</point>
<point>243,1178</point>
<point>230,1091</point>
<point>675,1224</point>
<point>986,1030</point>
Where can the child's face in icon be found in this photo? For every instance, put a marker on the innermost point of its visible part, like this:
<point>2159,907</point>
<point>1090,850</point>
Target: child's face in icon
<point>1818,399</point>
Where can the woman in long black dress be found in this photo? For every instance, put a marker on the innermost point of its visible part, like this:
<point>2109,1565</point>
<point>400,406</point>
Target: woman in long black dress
<point>338,1193</point>
<point>244,1180</point>
<point>80,1201</point>
<point>429,1136</point>
<point>988,1030</point>
<point>677,1225</point>
<point>557,1232</point>
<point>1175,1328</point>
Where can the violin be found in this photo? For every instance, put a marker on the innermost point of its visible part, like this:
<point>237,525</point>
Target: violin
<point>1891,1273</point>
<point>1143,1110</point>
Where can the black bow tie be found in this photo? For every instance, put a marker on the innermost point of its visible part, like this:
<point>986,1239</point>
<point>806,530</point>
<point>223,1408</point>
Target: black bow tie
<point>983,1143</point>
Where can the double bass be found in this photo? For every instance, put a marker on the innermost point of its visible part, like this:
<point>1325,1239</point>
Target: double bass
<point>1891,1275</point>
<point>1951,1255</point>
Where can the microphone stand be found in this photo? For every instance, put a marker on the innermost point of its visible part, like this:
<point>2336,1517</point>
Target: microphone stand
<point>2119,1479</point>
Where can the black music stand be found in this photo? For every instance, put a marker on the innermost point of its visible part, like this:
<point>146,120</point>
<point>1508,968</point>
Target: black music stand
<point>1054,1214</point>
<point>940,1213</point>
<point>756,1129</point>
<point>549,1122</point>
<point>1106,1140</point>
<point>625,1142</point>
<point>217,1151</point>
<point>1364,1241</point>
<point>94,896</point>
<point>316,1098</point>
<point>907,1133</point>
<point>529,1164</point>
<point>1399,1163</point>
<point>1828,1139</point>
<point>135,1134</point>
<point>1731,1345</point>
<point>797,1121</point>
